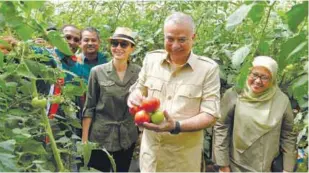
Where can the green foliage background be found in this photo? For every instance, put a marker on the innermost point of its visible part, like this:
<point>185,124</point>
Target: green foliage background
<point>232,33</point>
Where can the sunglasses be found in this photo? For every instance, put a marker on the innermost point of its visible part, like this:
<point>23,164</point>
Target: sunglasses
<point>123,44</point>
<point>69,37</point>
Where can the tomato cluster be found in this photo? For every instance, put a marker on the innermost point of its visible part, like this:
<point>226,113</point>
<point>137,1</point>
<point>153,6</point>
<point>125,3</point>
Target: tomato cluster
<point>147,111</point>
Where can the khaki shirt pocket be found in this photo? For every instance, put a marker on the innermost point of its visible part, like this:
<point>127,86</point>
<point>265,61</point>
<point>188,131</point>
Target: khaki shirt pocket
<point>188,99</point>
<point>154,87</point>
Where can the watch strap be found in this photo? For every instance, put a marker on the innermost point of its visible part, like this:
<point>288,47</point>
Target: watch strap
<point>176,130</point>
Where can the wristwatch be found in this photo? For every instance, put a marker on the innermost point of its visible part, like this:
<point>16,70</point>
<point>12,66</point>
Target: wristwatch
<point>176,130</point>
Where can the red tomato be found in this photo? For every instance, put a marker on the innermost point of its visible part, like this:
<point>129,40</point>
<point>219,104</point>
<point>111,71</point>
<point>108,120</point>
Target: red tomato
<point>134,109</point>
<point>150,104</point>
<point>141,117</point>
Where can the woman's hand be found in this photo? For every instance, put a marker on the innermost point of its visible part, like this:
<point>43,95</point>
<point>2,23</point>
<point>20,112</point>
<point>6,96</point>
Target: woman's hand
<point>224,169</point>
<point>86,124</point>
<point>165,126</point>
<point>84,141</point>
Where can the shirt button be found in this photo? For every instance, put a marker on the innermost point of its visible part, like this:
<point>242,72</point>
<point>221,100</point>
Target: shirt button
<point>169,97</point>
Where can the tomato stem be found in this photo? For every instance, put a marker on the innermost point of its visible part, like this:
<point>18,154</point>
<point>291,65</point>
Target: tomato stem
<point>52,142</point>
<point>34,89</point>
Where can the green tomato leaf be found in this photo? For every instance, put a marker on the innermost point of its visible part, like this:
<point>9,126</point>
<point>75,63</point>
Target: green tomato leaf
<point>300,81</point>
<point>239,55</point>
<point>238,16</point>
<point>34,4</point>
<point>301,90</point>
<point>299,48</point>
<point>287,47</point>
<point>72,90</point>
<point>263,47</point>
<point>33,147</point>
<point>7,8</point>
<point>85,150</point>
<point>24,71</point>
<point>1,60</point>
<point>7,163</point>
<point>23,131</point>
<point>242,77</point>
<point>111,159</point>
<point>257,12</point>
<point>57,40</point>
<point>297,15</point>
<point>75,123</point>
<point>63,140</point>
<point>24,32</point>
<point>8,145</point>
<point>35,67</point>
<point>18,112</point>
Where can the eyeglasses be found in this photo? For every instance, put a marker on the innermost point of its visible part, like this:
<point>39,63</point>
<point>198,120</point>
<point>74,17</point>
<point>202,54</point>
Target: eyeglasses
<point>123,44</point>
<point>69,37</point>
<point>255,76</point>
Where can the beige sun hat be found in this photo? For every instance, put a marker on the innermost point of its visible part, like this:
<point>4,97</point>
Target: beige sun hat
<point>123,33</point>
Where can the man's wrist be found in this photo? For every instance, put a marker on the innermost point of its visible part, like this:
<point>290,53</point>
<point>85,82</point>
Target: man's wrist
<point>177,128</point>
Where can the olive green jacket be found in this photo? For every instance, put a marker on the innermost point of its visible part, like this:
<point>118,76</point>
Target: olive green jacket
<point>259,155</point>
<point>106,103</point>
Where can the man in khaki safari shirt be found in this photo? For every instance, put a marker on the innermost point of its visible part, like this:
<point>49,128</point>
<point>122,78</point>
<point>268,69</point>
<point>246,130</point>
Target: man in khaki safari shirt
<point>188,88</point>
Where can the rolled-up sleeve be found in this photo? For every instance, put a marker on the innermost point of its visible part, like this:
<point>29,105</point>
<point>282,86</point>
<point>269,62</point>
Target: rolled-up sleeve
<point>223,128</point>
<point>92,95</point>
<point>288,140</point>
<point>140,83</point>
<point>211,93</point>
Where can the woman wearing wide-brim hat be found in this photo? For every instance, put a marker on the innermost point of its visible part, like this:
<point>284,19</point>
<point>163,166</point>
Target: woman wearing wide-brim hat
<point>106,117</point>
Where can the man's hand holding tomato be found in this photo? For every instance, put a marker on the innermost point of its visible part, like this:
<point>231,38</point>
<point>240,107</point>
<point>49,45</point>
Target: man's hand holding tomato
<point>165,126</point>
<point>136,99</point>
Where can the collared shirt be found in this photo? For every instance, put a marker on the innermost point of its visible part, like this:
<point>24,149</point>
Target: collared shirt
<point>106,102</point>
<point>65,62</point>
<point>86,66</point>
<point>189,90</point>
<point>184,92</point>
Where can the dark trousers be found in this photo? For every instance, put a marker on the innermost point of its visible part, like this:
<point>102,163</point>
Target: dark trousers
<point>100,161</point>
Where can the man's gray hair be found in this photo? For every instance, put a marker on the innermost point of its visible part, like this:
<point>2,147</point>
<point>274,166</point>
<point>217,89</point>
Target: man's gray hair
<point>180,18</point>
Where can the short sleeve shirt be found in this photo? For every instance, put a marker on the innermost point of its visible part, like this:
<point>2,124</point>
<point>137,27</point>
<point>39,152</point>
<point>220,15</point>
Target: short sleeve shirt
<point>189,90</point>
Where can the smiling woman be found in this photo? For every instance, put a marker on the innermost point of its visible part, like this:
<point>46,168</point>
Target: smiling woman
<point>113,126</point>
<point>260,120</point>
